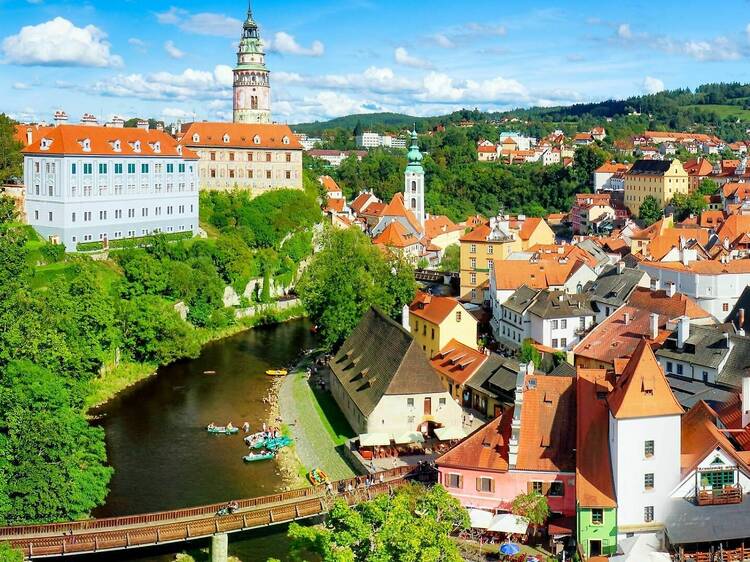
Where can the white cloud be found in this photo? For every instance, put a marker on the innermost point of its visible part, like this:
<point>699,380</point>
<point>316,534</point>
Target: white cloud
<point>716,49</point>
<point>59,43</point>
<point>403,57</point>
<point>176,113</point>
<point>190,84</point>
<point>466,33</point>
<point>286,44</point>
<point>443,41</point>
<point>173,51</point>
<point>21,86</point>
<point>202,23</point>
<point>438,87</point>
<point>652,85</point>
<point>138,44</point>
<point>484,29</point>
<point>624,32</point>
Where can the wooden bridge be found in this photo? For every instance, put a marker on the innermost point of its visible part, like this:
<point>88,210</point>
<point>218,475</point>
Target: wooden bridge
<point>180,525</point>
<point>433,276</point>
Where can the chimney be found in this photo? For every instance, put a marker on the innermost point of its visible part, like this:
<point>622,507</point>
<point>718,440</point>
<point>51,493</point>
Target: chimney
<point>89,120</point>
<point>60,118</point>
<point>515,425</point>
<point>29,136</point>
<point>142,124</point>
<point>671,289</point>
<point>620,267</point>
<point>745,400</point>
<point>654,325</point>
<point>405,318</point>
<point>626,318</point>
<point>654,284</point>
<point>683,331</point>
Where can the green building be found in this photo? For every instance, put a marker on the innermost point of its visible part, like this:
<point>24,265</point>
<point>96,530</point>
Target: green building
<point>597,530</point>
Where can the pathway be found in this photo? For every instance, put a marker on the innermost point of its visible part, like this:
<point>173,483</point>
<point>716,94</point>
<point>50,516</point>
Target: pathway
<point>314,445</point>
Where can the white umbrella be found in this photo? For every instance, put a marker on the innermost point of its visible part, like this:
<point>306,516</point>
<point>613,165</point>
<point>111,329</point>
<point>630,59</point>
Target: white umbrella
<point>374,439</point>
<point>409,437</point>
<point>480,519</point>
<point>509,523</point>
<point>449,433</point>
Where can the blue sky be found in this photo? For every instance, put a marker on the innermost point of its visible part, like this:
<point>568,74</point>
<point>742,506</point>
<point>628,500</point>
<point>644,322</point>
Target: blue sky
<point>173,59</point>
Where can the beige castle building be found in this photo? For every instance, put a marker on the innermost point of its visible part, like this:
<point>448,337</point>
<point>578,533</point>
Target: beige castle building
<point>254,157</point>
<point>660,179</point>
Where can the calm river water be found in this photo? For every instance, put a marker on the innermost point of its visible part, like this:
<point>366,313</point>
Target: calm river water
<point>162,455</point>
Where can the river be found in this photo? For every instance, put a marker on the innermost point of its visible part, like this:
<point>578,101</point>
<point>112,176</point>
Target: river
<point>163,457</point>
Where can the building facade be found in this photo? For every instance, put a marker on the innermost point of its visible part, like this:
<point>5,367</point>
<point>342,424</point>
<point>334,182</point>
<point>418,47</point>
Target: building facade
<point>256,158</point>
<point>660,179</point>
<point>252,82</point>
<point>97,184</point>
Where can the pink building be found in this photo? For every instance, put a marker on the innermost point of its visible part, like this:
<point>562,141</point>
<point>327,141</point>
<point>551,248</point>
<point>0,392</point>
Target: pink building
<point>530,447</point>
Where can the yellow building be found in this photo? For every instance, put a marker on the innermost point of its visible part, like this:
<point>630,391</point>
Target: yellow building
<point>661,179</point>
<point>494,241</point>
<point>434,321</point>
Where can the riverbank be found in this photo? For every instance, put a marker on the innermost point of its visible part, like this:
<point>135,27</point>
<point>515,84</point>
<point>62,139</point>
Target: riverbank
<point>119,377</point>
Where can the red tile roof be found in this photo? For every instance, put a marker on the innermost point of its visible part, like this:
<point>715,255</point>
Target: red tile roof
<point>705,267</point>
<point>733,227</point>
<point>396,208</point>
<point>642,391</point>
<point>69,140</point>
<point>594,484</point>
<point>336,205</point>
<point>539,275</point>
<point>439,224</point>
<point>240,135</point>
<point>661,244</point>
<point>612,168</point>
<point>485,449</point>
<point>395,235</point>
<point>329,184</point>
<point>433,308</point>
<point>664,305</point>
<point>360,202</point>
<point>457,361</point>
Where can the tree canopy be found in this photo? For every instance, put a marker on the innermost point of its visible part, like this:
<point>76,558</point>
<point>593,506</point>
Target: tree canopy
<point>11,159</point>
<point>533,506</point>
<point>415,525</point>
<point>650,210</point>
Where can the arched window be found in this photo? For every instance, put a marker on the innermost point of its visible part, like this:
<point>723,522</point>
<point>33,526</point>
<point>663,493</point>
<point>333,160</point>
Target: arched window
<point>253,102</point>
<point>414,203</point>
<point>413,185</point>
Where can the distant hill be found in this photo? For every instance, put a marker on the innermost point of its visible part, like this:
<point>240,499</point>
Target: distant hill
<point>722,109</point>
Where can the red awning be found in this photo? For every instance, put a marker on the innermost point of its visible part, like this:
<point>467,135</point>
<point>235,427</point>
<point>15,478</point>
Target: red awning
<point>561,526</point>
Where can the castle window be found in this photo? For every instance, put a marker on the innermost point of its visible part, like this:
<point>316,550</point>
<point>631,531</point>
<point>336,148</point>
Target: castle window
<point>413,203</point>
<point>413,186</point>
<point>285,140</point>
<point>196,137</point>
<point>226,139</point>
<point>256,139</point>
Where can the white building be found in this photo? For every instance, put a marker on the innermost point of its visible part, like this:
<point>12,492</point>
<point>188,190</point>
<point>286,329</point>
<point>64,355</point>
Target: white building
<point>374,140</point>
<point>644,439</point>
<point>714,285</point>
<point>89,184</point>
<point>559,320</point>
<point>307,142</point>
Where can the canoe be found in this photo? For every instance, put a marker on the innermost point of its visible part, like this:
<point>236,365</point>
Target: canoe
<point>252,457</point>
<point>317,477</point>
<point>273,443</point>
<point>222,430</point>
<point>277,372</point>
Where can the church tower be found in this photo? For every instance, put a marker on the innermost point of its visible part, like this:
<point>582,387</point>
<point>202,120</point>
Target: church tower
<point>414,180</point>
<point>252,85</point>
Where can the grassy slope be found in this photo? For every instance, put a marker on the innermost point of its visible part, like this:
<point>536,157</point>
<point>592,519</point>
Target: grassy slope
<point>724,110</point>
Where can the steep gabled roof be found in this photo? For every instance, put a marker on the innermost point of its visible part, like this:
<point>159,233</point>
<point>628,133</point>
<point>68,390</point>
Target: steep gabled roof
<point>457,361</point>
<point>672,307</point>
<point>395,235</point>
<point>396,208</point>
<point>642,391</point>
<point>485,449</point>
<point>380,358</point>
<point>433,308</point>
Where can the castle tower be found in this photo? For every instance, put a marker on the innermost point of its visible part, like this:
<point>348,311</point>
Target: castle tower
<point>252,85</point>
<point>414,180</point>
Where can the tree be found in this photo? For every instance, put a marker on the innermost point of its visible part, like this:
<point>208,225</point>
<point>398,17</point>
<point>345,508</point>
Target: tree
<point>708,187</point>
<point>10,554</point>
<point>686,205</point>
<point>451,259</point>
<point>54,462</point>
<point>8,213</point>
<point>415,525</point>
<point>533,506</point>
<point>650,211</point>
<point>11,159</point>
<point>529,353</point>
<point>346,278</point>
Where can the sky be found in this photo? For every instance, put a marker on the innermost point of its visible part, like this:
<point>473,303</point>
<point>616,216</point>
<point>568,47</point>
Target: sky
<point>172,59</point>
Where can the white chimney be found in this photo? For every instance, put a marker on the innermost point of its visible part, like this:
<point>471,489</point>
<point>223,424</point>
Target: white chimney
<point>405,318</point>
<point>654,325</point>
<point>142,124</point>
<point>654,284</point>
<point>60,118</point>
<point>626,318</point>
<point>620,267</point>
<point>29,136</point>
<point>671,289</point>
<point>683,331</point>
<point>515,425</point>
<point>89,120</point>
<point>745,400</point>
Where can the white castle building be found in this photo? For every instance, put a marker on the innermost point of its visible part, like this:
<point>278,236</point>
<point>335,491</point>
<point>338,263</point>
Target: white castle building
<point>89,183</point>
<point>252,84</point>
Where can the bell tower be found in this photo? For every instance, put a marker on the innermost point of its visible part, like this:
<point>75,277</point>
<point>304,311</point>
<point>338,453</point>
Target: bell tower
<point>252,85</point>
<point>414,180</point>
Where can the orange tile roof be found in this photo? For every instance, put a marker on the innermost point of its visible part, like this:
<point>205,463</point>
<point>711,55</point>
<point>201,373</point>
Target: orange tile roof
<point>612,168</point>
<point>487,149</point>
<point>36,132</point>
<point>359,203</point>
<point>711,219</point>
<point>457,361</point>
<point>700,437</point>
<point>433,308</point>
<point>730,414</point>
<point>485,449</point>
<point>474,220</point>
<point>740,190</point>
<point>439,224</point>
<point>649,232</point>
<point>642,391</point>
<point>614,339</point>
<point>733,227</point>
<point>680,136</point>
<point>557,252</point>
<point>329,184</point>
<point>661,244</point>
<point>395,235</point>
<point>241,135</point>
<point>705,267</point>
<point>478,234</point>
<point>539,275</point>
<point>396,208</point>
<point>529,226</point>
<point>594,484</point>
<point>698,167</point>
<point>376,209</point>
<point>583,136</point>
<point>664,305</point>
<point>336,205</point>
<point>68,140</point>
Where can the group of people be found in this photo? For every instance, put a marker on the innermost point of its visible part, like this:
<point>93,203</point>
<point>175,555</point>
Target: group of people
<point>229,426</point>
<point>359,482</point>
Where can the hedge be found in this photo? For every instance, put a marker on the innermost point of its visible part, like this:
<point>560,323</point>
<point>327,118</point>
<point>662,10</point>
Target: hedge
<point>89,246</point>
<point>144,240</point>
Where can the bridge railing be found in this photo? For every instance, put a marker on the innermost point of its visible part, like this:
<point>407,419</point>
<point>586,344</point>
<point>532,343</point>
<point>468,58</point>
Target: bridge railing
<point>165,517</point>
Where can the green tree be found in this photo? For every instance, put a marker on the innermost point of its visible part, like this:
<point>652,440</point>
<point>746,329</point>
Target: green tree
<point>708,187</point>
<point>11,159</point>
<point>415,525</point>
<point>451,259</point>
<point>8,213</point>
<point>533,506</point>
<point>348,276</point>
<point>54,462</point>
<point>691,204</point>
<point>650,211</point>
<point>10,554</point>
<point>529,353</point>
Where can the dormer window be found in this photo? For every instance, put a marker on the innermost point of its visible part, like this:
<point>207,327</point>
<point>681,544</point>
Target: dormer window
<point>44,144</point>
<point>226,138</point>
<point>137,146</point>
<point>116,146</point>
<point>285,140</point>
<point>86,145</point>
<point>156,147</point>
<point>256,139</point>
<point>196,137</point>
<point>179,150</point>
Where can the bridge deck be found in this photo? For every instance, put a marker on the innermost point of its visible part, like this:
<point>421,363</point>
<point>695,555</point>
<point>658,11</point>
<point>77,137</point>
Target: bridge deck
<point>116,533</point>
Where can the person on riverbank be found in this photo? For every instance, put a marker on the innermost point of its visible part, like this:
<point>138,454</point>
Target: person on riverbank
<point>246,427</point>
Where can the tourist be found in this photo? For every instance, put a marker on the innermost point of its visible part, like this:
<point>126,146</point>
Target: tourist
<point>471,418</point>
<point>229,426</point>
<point>246,427</point>
<point>264,427</point>
<point>349,488</point>
<point>381,478</point>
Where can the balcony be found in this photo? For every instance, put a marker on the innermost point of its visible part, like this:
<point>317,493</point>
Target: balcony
<point>720,496</point>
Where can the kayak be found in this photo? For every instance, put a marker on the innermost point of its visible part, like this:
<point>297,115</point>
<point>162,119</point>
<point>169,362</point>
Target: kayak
<point>317,476</point>
<point>222,430</point>
<point>277,372</point>
<point>273,443</point>
<point>264,456</point>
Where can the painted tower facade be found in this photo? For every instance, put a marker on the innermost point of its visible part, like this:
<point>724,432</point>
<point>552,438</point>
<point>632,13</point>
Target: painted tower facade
<point>252,84</point>
<point>414,180</point>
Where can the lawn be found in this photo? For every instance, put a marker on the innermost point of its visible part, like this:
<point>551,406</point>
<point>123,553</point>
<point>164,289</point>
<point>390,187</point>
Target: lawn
<point>724,110</point>
<point>332,417</point>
